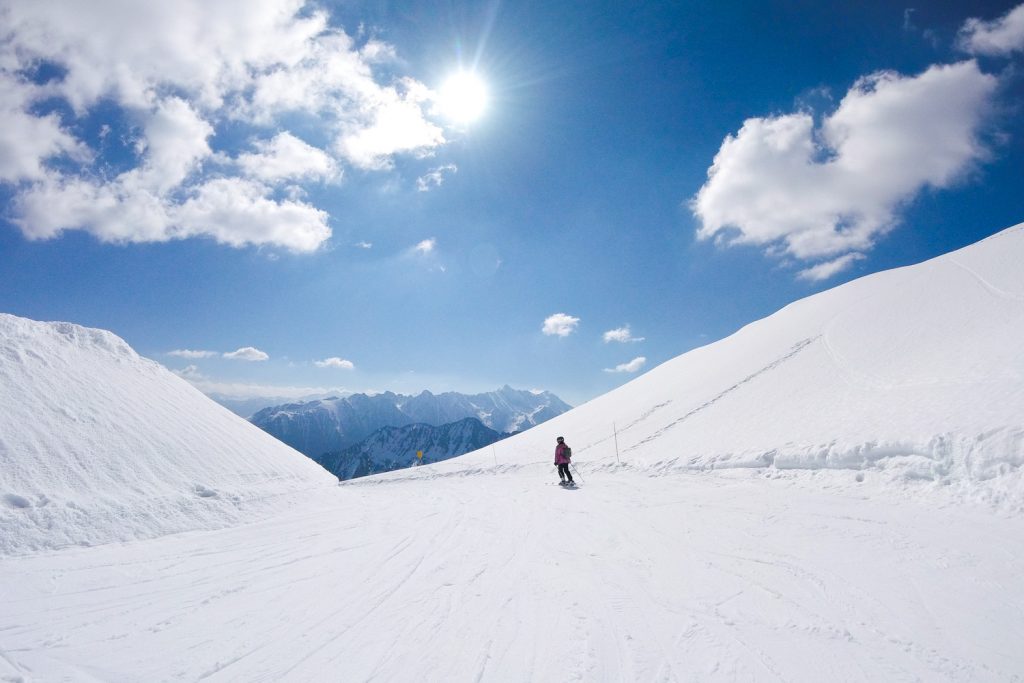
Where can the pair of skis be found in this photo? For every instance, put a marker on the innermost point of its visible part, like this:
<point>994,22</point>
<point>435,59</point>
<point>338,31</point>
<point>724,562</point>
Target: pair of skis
<point>571,484</point>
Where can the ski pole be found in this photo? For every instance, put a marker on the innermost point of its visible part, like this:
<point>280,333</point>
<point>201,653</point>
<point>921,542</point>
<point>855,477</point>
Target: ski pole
<point>577,472</point>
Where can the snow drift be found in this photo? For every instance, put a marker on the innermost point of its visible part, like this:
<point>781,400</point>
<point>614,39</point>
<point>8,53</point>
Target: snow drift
<point>98,444</point>
<point>911,374</point>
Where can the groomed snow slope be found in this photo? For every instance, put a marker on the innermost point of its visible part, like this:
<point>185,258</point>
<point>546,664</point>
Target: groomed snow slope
<point>831,494</point>
<point>905,375</point>
<point>687,576</point>
<point>98,444</point>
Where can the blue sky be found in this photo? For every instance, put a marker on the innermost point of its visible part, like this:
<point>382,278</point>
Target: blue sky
<point>276,198</point>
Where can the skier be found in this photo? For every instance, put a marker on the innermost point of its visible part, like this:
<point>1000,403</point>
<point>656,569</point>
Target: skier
<point>562,455</point>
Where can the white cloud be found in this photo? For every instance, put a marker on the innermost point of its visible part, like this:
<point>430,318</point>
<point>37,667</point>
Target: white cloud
<point>247,353</point>
<point>239,213</point>
<point>818,193</point>
<point>207,50</point>
<point>173,146</point>
<point>427,246</point>
<point>824,271</point>
<point>364,245</point>
<point>908,23</point>
<point>133,206</point>
<point>376,51</point>
<point>393,125</point>
<point>242,390</point>
<point>999,37</point>
<point>188,353</point>
<point>189,372</point>
<point>395,129</point>
<point>632,366</point>
<point>27,141</point>
<point>910,27</point>
<point>286,157</point>
<point>232,211</point>
<point>113,212</point>
<point>434,177</point>
<point>622,335</point>
<point>335,362</point>
<point>560,325</point>
<point>177,75</point>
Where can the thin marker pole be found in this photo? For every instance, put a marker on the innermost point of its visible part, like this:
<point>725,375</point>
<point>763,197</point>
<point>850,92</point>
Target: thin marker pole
<point>616,430</point>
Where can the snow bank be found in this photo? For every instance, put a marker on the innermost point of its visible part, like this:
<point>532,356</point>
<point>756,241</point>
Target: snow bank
<point>98,444</point>
<point>914,374</point>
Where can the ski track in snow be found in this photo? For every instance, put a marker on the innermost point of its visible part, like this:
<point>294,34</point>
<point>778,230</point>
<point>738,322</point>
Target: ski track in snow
<point>498,578</point>
<point>797,348</point>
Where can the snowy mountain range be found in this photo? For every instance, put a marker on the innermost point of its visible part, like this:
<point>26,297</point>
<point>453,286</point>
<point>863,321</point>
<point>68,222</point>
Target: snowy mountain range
<point>333,424</point>
<point>391,448</point>
<point>831,493</point>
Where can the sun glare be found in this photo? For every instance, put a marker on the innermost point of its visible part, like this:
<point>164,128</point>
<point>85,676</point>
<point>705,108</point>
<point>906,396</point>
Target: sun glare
<point>463,97</point>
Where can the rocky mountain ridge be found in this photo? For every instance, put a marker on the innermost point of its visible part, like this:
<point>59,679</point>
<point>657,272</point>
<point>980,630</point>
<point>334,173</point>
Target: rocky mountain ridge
<point>392,448</point>
<point>333,424</point>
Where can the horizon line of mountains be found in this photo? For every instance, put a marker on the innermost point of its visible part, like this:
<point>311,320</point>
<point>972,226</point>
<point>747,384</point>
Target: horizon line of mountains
<point>358,435</point>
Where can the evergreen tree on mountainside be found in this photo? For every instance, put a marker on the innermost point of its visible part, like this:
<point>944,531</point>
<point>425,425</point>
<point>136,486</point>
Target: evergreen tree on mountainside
<point>391,448</point>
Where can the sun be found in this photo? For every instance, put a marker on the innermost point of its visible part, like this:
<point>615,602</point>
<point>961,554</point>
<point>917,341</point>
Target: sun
<point>463,97</point>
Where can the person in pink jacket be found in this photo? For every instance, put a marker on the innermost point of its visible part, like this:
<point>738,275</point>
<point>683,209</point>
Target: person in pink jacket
<point>562,456</point>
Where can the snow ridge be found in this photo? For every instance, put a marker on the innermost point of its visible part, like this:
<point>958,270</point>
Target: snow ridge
<point>98,444</point>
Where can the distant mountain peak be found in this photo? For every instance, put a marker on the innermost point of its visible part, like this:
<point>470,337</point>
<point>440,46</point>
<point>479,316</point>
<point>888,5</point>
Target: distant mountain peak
<point>333,424</point>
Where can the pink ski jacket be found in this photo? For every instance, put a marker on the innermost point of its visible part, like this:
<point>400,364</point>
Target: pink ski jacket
<point>560,457</point>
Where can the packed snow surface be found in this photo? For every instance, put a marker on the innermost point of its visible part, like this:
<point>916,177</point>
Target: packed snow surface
<point>832,493</point>
<point>504,576</point>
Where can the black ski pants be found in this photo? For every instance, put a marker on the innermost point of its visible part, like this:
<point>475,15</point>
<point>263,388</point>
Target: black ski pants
<point>563,471</point>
